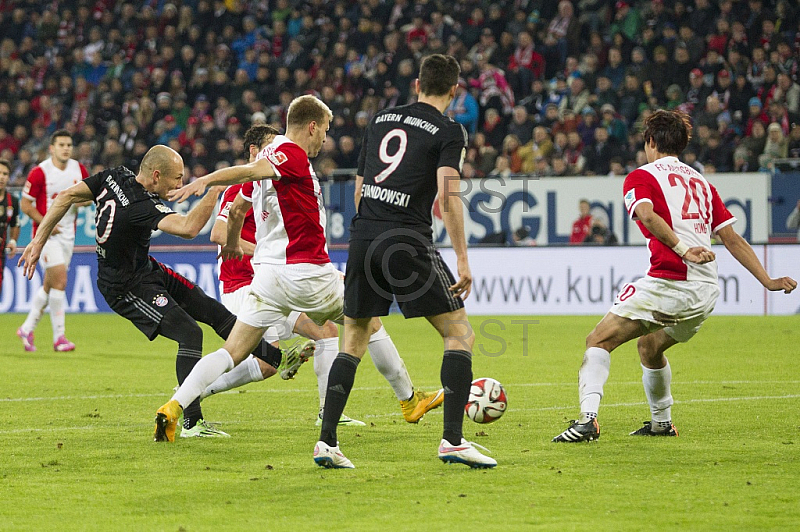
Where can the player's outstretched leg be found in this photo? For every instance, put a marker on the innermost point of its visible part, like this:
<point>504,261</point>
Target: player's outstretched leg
<point>387,360</point>
<point>294,357</point>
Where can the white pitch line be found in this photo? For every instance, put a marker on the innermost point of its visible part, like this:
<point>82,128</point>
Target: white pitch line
<point>539,409</point>
<point>362,389</point>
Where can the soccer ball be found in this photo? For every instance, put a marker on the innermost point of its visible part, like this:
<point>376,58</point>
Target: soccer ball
<point>487,401</point>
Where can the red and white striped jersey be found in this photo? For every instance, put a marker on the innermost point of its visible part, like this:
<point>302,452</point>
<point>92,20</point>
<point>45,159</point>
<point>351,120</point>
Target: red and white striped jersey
<point>44,183</point>
<point>688,203</point>
<point>234,274</point>
<point>290,213</point>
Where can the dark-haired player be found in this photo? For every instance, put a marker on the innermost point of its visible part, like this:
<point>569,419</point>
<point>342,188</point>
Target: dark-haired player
<point>677,210</point>
<point>409,155</point>
<point>156,299</point>
<point>9,219</point>
<point>44,182</point>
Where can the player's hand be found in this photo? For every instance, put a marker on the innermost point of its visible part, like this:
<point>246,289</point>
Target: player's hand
<point>787,284</point>
<point>11,248</point>
<point>195,188</point>
<point>231,252</point>
<point>464,285</point>
<point>29,259</point>
<point>699,255</point>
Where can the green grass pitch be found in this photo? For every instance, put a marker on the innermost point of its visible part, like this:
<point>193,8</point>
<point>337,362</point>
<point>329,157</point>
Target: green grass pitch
<point>76,449</point>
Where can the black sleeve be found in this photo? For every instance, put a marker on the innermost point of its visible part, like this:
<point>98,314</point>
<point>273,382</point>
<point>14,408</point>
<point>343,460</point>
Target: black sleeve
<point>14,222</point>
<point>95,183</point>
<point>362,156</point>
<point>453,147</point>
<point>148,213</point>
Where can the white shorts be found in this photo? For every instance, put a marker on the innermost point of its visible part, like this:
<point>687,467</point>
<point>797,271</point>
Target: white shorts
<point>234,301</point>
<point>679,307</point>
<point>56,251</point>
<point>279,289</point>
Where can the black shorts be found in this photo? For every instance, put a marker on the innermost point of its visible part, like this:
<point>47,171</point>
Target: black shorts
<point>400,265</point>
<point>145,302</point>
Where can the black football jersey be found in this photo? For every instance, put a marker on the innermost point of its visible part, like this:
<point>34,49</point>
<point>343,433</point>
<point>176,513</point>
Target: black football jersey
<point>402,150</point>
<point>9,217</point>
<point>125,217</point>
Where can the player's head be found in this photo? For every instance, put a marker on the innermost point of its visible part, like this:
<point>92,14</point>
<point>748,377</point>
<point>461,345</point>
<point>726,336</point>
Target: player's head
<point>161,170</point>
<point>256,138</point>
<point>666,133</point>
<point>438,75</point>
<point>309,117</point>
<point>5,172</point>
<point>61,146</point>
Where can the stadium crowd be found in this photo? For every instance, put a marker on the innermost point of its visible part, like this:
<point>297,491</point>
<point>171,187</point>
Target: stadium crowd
<point>548,88</point>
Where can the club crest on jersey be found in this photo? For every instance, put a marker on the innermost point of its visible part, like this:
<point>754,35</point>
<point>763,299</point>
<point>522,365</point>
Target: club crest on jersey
<point>276,157</point>
<point>163,208</point>
<point>160,300</point>
<point>630,199</point>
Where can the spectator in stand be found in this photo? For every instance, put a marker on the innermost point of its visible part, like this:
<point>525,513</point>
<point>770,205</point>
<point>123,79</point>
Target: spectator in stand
<point>626,21</point>
<point>776,147</point>
<point>494,128</point>
<point>615,69</point>
<point>611,122</point>
<point>501,168</point>
<point>793,147</point>
<point>583,225</point>
<point>600,235</point>
<point>511,149</point>
<point>464,109</point>
<point>598,155</point>
<point>788,91</point>
<point>716,153</point>
<point>525,64</point>
<point>755,114</point>
<point>541,146</point>
<point>521,125</point>
<point>746,154</point>
<point>578,97</point>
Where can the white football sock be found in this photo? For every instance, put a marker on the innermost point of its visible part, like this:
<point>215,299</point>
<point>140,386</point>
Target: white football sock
<point>657,389</point>
<point>387,360</point>
<point>37,309</point>
<point>58,300</point>
<point>246,372</point>
<point>324,355</point>
<point>204,373</point>
<point>591,379</point>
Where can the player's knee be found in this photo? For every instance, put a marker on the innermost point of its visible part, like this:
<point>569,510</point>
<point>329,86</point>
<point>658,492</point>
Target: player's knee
<point>330,330</point>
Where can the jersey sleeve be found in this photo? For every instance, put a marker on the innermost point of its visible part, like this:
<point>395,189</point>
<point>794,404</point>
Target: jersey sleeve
<point>227,201</point>
<point>34,185</point>
<point>362,156</point>
<point>637,188</point>
<point>248,189</point>
<point>288,161</point>
<point>454,148</point>
<point>84,171</point>
<point>95,183</point>
<point>149,213</point>
<point>720,215</point>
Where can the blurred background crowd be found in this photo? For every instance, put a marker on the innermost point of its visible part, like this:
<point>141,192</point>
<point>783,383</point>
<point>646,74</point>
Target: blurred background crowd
<point>548,88</point>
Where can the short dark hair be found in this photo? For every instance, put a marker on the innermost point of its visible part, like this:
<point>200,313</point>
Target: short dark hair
<point>438,74</point>
<point>59,133</point>
<point>6,163</point>
<point>257,135</point>
<point>671,131</point>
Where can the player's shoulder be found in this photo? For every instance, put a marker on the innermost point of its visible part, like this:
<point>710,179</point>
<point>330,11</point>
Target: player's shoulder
<point>640,175</point>
<point>37,172</point>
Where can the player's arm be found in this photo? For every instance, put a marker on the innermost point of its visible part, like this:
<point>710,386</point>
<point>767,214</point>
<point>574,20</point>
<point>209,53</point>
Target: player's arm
<point>232,175</point>
<point>64,201</point>
<point>357,193</point>
<point>233,247</point>
<point>189,225</point>
<point>664,233</point>
<point>450,201</point>
<point>219,235</point>
<point>743,253</point>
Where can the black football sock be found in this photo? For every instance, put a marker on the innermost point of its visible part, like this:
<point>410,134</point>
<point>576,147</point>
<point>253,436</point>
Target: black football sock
<point>184,363</point>
<point>179,326</point>
<point>456,376</point>
<point>340,382</point>
<point>268,353</point>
